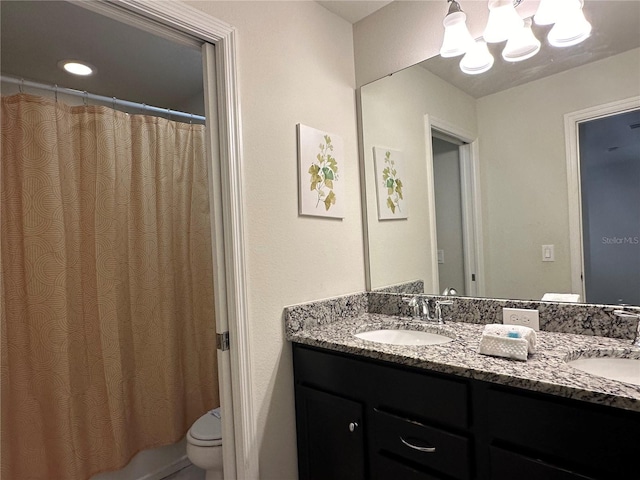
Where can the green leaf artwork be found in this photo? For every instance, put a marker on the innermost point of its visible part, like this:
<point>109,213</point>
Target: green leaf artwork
<point>323,173</point>
<point>392,183</point>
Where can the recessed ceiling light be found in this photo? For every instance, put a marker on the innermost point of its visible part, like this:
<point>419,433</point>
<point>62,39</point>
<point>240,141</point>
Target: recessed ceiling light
<point>76,67</point>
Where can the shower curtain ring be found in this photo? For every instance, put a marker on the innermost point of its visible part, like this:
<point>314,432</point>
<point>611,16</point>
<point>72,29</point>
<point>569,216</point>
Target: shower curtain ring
<point>113,105</point>
<point>55,92</point>
<point>168,114</point>
<point>85,99</point>
<point>21,86</point>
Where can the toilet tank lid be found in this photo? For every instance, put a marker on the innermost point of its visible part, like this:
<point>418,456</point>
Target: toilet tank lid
<point>207,427</point>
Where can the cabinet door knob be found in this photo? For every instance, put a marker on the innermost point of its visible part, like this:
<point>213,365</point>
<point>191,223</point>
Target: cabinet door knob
<point>417,447</point>
<point>353,426</point>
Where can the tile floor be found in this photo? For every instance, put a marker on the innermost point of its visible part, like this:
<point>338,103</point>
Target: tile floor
<point>188,473</point>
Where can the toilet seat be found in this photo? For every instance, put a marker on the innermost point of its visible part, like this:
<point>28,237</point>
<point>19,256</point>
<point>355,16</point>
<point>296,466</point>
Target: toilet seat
<point>206,431</point>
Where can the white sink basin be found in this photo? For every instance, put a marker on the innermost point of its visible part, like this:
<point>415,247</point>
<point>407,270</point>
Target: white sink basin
<point>622,369</point>
<point>404,337</point>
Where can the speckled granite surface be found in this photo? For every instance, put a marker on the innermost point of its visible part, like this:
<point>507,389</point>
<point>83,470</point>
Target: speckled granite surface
<point>333,324</point>
<point>584,319</point>
<point>308,315</point>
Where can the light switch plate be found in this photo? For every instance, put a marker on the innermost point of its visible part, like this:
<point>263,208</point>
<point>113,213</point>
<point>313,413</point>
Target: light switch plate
<point>548,253</point>
<point>521,316</point>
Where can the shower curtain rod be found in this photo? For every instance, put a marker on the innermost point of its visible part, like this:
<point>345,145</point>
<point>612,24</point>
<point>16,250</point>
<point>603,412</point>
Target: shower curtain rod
<point>100,98</point>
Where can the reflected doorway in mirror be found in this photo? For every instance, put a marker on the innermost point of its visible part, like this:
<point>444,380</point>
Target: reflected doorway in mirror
<point>390,186</point>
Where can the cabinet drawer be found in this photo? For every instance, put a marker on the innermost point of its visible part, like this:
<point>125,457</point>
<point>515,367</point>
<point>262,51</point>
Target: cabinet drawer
<point>433,448</point>
<point>568,433</point>
<point>506,465</point>
<point>423,396</point>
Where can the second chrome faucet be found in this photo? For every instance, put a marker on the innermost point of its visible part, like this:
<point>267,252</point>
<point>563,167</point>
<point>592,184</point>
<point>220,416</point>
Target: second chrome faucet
<point>421,308</point>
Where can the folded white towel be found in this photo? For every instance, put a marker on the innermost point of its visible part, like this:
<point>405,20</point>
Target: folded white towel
<point>561,297</point>
<point>511,331</point>
<point>510,341</point>
<point>498,346</point>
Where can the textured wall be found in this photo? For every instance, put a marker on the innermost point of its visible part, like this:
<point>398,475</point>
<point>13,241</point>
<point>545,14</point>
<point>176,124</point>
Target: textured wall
<point>296,65</point>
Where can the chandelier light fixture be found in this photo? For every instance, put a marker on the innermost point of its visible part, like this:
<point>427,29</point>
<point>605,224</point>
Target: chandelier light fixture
<point>570,27</point>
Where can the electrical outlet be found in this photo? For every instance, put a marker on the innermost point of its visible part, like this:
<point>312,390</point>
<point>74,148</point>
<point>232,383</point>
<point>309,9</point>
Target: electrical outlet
<point>521,316</point>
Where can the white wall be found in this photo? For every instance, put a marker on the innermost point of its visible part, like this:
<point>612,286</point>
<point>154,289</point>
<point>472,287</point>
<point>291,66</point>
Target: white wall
<point>522,215</point>
<point>393,110</point>
<point>296,65</point>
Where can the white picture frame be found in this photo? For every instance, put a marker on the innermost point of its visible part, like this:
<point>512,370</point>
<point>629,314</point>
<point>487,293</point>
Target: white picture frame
<point>321,170</point>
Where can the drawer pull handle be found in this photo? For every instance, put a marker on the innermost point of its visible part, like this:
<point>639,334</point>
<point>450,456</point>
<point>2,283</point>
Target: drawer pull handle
<point>353,426</point>
<point>416,447</point>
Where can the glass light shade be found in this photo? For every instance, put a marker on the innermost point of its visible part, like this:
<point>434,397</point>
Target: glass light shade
<point>477,60</point>
<point>547,12</point>
<point>503,21</point>
<point>571,28</point>
<point>457,39</point>
<point>522,45</point>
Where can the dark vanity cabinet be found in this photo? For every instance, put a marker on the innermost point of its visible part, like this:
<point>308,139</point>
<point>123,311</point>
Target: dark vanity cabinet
<point>331,436</point>
<point>390,423</point>
<point>366,419</point>
<point>555,438</point>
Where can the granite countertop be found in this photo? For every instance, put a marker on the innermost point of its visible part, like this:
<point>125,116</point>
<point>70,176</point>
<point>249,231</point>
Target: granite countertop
<point>545,371</point>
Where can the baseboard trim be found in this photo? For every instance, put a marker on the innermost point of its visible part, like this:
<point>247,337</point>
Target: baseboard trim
<point>167,470</point>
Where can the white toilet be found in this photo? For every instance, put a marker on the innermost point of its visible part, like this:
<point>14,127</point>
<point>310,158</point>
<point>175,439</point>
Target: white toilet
<point>204,444</point>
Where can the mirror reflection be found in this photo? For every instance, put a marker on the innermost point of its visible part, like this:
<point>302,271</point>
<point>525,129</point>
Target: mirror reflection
<point>515,183</point>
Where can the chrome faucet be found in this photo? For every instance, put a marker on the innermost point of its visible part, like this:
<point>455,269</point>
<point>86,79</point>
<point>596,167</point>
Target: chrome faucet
<point>421,308</point>
<point>439,304</point>
<point>629,315</point>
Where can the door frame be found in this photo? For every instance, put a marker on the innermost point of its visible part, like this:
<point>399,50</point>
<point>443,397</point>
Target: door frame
<point>224,150</point>
<point>471,204</point>
<point>572,148</point>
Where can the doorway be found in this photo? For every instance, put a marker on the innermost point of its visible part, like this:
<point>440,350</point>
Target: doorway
<point>230,287</point>
<point>455,212</point>
<point>604,219</point>
<point>448,194</point>
<point>609,150</point>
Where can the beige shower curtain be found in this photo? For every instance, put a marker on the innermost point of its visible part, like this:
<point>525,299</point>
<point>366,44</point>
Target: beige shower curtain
<point>106,285</point>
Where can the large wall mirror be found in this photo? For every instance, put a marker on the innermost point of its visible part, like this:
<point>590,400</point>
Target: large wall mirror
<point>521,182</point>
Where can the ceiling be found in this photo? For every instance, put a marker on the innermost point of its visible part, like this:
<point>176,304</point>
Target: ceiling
<point>353,11</point>
<point>132,64</point>
<point>145,67</point>
<point>616,29</point>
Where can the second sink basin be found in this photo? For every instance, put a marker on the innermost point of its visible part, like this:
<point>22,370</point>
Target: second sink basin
<point>404,337</point>
<point>609,366</point>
